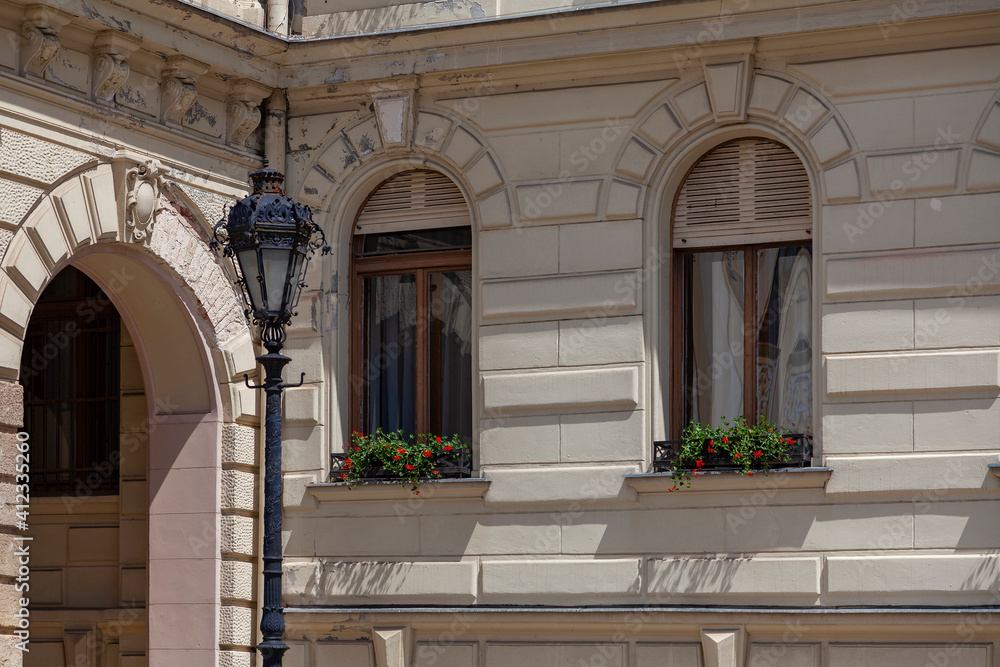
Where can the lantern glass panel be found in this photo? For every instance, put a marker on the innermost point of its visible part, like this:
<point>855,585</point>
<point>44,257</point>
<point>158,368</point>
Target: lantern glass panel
<point>296,275</point>
<point>251,273</point>
<point>275,261</point>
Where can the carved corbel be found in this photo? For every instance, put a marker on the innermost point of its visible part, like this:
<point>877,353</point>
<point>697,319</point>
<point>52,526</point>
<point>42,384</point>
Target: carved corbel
<point>39,37</point>
<point>243,109</point>
<point>111,52</point>
<point>177,89</point>
<point>142,201</point>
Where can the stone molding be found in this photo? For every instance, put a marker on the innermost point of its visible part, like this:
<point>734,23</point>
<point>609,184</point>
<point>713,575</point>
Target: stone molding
<point>443,489</point>
<point>787,479</point>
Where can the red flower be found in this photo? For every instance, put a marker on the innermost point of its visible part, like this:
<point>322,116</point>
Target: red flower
<point>447,448</point>
<point>725,440</point>
<point>696,473</point>
<point>436,472</point>
<point>396,457</point>
<point>711,450</point>
<point>711,442</point>
<point>347,463</point>
<point>737,455</point>
<point>699,463</point>
<point>790,441</point>
<point>427,452</point>
<point>750,473</point>
<point>401,450</point>
<point>758,454</point>
<point>416,493</point>
<point>409,467</point>
<point>673,488</point>
<point>439,439</point>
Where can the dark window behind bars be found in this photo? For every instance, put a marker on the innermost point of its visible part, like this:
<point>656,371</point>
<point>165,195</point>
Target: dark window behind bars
<point>70,369</point>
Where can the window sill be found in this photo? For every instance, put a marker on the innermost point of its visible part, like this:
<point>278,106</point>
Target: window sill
<point>725,480</point>
<point>445,489</point>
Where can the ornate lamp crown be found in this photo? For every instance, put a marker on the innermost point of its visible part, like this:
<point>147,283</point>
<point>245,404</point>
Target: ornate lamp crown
<point>267,180</point>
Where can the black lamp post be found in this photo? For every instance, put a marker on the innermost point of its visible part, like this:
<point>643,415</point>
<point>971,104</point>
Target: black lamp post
<point>270,239</point>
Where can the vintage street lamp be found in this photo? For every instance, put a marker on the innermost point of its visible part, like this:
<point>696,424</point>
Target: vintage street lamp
<point>270,239</point>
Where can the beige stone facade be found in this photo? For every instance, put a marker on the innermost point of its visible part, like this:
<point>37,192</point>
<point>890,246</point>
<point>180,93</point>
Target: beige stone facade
<point>569,129</point>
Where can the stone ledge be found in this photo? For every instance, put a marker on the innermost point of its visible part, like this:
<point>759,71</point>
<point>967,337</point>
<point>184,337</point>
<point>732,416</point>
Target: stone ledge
<point>724,480</point>
<point>449,489</point>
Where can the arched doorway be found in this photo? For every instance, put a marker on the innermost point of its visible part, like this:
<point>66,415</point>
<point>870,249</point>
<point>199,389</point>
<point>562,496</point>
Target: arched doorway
<point>85,414</point>
<point>160,535</point>
<point>191,347</point>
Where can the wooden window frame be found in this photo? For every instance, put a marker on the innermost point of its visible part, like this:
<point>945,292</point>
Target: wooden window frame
<point>680,312</point>
<point>421,264</point>
<point>798,232</point>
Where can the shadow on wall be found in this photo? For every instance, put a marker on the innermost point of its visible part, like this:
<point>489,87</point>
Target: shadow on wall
<point>696,575</point>
<point>986,575</point>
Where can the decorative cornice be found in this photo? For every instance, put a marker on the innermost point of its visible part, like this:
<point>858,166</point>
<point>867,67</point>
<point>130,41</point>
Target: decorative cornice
<point>111,70</point>
<point>39,37</point>
<point>243,109</point>
<point>178,92</point>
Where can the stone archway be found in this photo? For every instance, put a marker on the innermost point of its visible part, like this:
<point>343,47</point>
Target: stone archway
<point>191,342</point>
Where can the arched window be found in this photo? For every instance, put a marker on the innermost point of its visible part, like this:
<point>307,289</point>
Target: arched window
<point>411,309</point>
<point>70,372</point>
<point>742,298</point>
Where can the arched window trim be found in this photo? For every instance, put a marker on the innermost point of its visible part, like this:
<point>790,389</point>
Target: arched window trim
<point>726,229</point>
<point>417,200</point>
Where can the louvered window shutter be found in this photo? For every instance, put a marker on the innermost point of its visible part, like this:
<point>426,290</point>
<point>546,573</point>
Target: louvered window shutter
<point>744,191</point>
<point>413,200</point>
